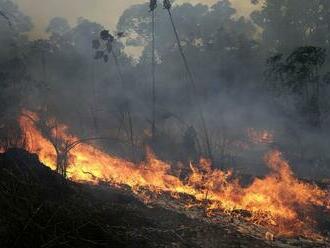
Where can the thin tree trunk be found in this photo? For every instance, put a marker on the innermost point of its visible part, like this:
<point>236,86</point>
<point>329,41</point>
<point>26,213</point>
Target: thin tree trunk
<point>194,88</point>
<point>153,124</point>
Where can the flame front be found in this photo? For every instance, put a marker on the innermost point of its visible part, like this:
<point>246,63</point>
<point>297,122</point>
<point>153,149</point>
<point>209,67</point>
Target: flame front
<point>280,201</point>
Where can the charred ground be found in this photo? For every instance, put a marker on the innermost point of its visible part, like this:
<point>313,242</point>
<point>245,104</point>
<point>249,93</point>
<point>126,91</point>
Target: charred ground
<point>39,208</point>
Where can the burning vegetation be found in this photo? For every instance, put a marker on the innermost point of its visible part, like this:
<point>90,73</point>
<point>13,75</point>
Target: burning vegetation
<point>283,204</point>
<point>195,130</point>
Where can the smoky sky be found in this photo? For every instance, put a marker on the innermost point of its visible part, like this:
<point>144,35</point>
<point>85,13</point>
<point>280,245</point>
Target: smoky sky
<point>105,12</point>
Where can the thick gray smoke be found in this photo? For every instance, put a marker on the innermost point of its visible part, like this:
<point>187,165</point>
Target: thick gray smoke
<point>227,56</point>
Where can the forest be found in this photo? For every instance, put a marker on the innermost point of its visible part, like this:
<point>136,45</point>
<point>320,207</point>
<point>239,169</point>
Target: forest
<point>178,121</point>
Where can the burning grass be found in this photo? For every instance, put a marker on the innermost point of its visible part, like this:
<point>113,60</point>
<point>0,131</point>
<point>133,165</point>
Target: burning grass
<point>39,208</point>
<point>279,201</point>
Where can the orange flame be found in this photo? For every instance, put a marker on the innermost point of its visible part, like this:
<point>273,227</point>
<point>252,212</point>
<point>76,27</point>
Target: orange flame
<point>260,136</point>
<point>279,201</point>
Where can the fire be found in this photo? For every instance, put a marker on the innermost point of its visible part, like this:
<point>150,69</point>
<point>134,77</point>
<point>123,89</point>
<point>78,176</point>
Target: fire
<point>260,136</point>
<point>279,201</point>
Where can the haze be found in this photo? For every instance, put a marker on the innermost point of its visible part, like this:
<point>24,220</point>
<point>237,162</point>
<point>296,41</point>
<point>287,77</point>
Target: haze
<point>104,12</point>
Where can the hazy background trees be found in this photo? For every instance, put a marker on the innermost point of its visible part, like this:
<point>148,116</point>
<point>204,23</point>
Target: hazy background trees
<point>267,71</point>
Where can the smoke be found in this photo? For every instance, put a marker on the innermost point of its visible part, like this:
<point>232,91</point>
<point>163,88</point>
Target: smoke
<point>228,64</point>
<point>101,11</point>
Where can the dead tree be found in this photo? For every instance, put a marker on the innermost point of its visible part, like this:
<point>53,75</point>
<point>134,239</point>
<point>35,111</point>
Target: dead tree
<point>167,5</point>
<point>62,146</point>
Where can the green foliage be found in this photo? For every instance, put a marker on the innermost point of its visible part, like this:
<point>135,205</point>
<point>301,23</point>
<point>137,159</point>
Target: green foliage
<point>299,74</point>
<point>299,69</point>
<point>287,24</point>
